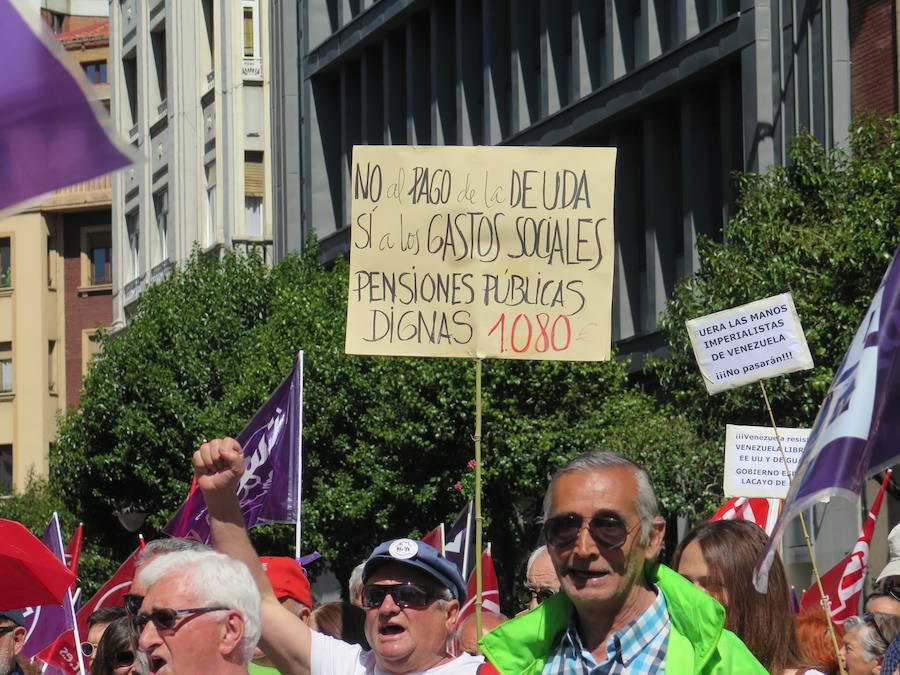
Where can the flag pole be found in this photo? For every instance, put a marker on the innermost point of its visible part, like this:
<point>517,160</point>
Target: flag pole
<point>809,546</point>
<point>478,517</point>
<point>299,458</point>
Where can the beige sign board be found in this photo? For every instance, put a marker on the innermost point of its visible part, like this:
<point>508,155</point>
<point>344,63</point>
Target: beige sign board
<point>754,466</point>
<point>752,342</point>
<point>489,252</point>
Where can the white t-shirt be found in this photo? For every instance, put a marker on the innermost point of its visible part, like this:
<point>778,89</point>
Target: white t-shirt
<point>333,656</point>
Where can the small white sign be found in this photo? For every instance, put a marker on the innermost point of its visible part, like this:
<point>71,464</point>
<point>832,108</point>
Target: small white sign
<point>754,466</point>
<point>752,342</point>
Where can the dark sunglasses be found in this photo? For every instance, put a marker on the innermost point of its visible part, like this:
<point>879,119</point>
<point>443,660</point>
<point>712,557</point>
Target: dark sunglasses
<point>88,648</point>
<point>132,602</point>
<point>408,595</point>
<point>540,594</point>
<point>164,618</point>
<point>608,531</point>
<point>125,658</point>
<point>869,618</point>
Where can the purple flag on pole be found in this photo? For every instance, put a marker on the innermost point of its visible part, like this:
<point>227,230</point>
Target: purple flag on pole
<point>50,135</point>
<point>269,489</point>
<point>857,431</point>
<point>459,542</point>
<point>45,623</point>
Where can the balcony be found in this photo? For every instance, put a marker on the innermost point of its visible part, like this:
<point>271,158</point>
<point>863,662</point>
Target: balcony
<point>89,194</point>
<point>252,68</point>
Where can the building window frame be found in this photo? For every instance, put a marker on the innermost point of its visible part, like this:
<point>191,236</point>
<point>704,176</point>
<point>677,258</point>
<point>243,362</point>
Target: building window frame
<point>6,468</point>
<point>6,263</point>
<point>7,371</point>
<point>161,215</point>
<point>88,278</point>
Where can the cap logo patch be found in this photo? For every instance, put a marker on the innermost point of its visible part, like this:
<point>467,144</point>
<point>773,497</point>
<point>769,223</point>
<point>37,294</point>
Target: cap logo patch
<point>404,549</point>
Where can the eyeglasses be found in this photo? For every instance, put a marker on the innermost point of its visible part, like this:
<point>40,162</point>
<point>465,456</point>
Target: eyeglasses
<point>132,602</point>
<point>539,594</point>
<point>164,618</point>
<point>408,595</point>
<point>869,618</point>
<point>88,648</point>
<point>608,531</point>
<point>125,658</point>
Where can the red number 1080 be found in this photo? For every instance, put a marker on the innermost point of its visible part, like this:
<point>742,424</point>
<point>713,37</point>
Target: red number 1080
<point>536,332</point>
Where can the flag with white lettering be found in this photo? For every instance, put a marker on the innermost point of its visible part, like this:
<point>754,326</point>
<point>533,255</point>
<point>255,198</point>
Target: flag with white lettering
<point>269,490</point>
<point>760,510</point>
<point>45,622</point>
<point>857,431</point>
<point>843,583</point>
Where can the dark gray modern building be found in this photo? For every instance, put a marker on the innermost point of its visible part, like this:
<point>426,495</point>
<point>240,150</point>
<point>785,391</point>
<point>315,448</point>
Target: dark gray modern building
<point>688,90</point>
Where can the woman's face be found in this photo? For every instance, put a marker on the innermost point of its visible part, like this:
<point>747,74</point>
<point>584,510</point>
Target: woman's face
<point>855,660</point>
<point>692,566</point>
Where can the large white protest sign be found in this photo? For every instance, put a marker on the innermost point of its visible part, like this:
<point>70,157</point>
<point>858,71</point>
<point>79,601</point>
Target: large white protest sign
<point>752,342</point>
<point>754,466</point>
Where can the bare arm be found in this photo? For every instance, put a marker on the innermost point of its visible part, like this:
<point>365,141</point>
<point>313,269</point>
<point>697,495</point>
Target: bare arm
<point>218,465</point>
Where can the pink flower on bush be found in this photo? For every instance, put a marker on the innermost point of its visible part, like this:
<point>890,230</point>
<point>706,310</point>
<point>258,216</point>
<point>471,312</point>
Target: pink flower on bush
<point>457,487</point>
<point>471,464</point>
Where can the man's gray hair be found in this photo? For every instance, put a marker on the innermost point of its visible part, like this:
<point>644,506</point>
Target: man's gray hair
<point>213,579</point>
<point>168,545</point>
<point>870,641</point>
<point>354,586</point>
<point>645,504</point>
<point>535,554</point>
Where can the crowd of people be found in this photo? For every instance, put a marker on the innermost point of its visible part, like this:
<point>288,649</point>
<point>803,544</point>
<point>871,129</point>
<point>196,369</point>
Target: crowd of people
<point>598,600</point>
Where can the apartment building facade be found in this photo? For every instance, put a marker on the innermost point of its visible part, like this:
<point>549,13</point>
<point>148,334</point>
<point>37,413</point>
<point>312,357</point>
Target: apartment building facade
<point>55,278</point>
<point>190,91</point>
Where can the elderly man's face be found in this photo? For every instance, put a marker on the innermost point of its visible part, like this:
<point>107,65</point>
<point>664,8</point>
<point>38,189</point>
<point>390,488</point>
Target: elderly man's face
<point>541,579</point>
<point>193,644</point>
<point>595,577</point>
<point>11,641</point>
<point>405,639</point>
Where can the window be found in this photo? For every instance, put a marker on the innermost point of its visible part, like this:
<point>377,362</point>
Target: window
<point>253,194</point>
<point>51,258</point>
<point>210,205</point>
<point>90,348</point>
<point>207,54</point>
<point>129,70</point>
<point>6,368</point>
<point>158,45</point>
<point>133,234</point>
<point>99,253</point>
<point>95,71</point>
<point>5,263</point>
<point>52,370</point>
<point>161,209</point>
<point>6,467</point>
<point>55,19</point>
<point>251,29</point>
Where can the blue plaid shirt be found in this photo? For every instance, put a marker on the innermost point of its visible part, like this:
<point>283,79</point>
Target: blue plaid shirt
<point>640,647</point>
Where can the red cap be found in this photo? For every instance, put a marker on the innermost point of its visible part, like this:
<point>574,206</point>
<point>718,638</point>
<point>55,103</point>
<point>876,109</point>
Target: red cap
<point>287,578</point>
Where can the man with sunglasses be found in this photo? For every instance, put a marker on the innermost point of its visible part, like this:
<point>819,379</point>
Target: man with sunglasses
<point>411,594</point>
<point>12,639</point>
<point>540,577</point>
<point>619,611</point>
<point>200,615</point>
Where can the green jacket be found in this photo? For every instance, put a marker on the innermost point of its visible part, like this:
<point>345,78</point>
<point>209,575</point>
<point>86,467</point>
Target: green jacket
<point>698,641</point>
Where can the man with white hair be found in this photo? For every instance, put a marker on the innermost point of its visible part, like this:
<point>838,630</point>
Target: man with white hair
<point>540,577</point>
<point>201,614</point>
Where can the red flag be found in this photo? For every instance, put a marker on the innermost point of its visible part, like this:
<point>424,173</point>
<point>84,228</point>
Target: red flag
<point>759,510</point>
<point>60,653</point>
<point>436,538</point>
<point>73,549</point>
<point>843,583</point>
<point>490,591</point>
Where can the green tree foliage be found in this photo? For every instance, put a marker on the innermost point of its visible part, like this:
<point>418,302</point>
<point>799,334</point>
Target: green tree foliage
<point>824,228</point>
<point>385,439</point>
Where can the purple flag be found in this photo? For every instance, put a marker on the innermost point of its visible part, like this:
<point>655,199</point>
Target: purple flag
<point>47,622</point>
<point>50,136</point>
<point>857,431</point>
<point>459,542</point>
<point>269,489</point>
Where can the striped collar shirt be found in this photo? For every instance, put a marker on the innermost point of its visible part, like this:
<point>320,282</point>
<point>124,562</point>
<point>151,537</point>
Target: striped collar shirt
<point>639,647</point>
